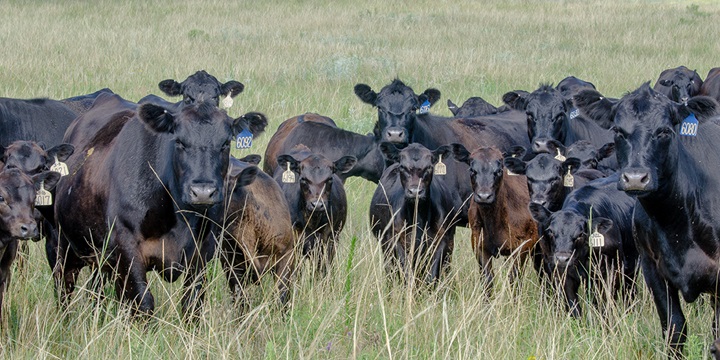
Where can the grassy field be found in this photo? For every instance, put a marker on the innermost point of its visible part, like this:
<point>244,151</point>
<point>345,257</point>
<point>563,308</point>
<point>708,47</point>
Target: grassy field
<point>302,56</point>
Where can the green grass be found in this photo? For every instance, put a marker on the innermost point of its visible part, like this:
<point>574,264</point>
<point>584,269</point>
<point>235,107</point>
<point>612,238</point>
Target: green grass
<point>300,56</point>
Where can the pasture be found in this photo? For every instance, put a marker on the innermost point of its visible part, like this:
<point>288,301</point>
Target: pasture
<point>298,56</point>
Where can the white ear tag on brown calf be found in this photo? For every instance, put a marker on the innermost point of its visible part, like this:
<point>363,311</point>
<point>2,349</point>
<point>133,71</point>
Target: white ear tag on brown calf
<point>440,168</point>
<point>559,156</point>
<point>568,179</point>
<point>288,176</point>
<point>508,172</point>
<point>227,101</point>
<point>59,167</point>
<point>597,239</point>
<point>43,197</point>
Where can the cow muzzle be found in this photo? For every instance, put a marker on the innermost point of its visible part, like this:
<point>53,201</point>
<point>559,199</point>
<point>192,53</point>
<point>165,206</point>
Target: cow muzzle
<point>562,259</point>
<point>203,194</point>
<point>396,135</point>
<point>543,146</point>
<point>634,180</point>
<point>27,230</point>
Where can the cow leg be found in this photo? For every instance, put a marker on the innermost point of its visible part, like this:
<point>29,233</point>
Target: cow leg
<point>131,281</point>
<point>66,270</point>
<point>194,293</point>
<point>438,260</point>
<point>284,269</point>
<point>667,303</point>
<point>483,257</point>
<point>8,255</point>
<point>571,285</point>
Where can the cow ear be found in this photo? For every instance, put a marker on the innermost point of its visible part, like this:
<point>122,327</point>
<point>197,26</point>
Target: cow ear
<point>2,153</point>
<point>48,178</point>
<point>602,224</point>
<point>441,151</point>
<point>515,165</point>
<point>431,95</point>
<point>595,107</point>
<point>701,106</point>
<point>540,213</point>
<point>42,145</point>
<point>571,163</point>
<point>251,159</point>
<point>62,152</point>
<point>157,118</point>
<point>366,94</point>
<point>665,82</point>
<point>516,99</point>
<point>170,87</point>
<point>284,160</point>
<point>554,146</point>
<point>390,151</point>
<point>517,151</point>
<point>256,123</point>
<point>246,176</point>
<point>345,164</point>
<point>453,108</point>
<point>460,153</point>
<point>232,87</point>
<point>605,151</point>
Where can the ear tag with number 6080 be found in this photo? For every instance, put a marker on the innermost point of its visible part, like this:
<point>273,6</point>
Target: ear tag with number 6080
<point>440,168</point>
<point>568,179</point>
<point>689,126</point>
<point>424,108</point>
<point>43,197</point>
<point>244,140</point>
<point>559,156</point>
<point>597,239</point>
<point>59,167</point>
<point>288,176</point>
<point>507,170</point>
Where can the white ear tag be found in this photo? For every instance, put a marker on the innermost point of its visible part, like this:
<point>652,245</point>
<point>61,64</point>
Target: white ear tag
<point>597,239</point>
<point>59,167</point>
<point>440,168</point>
<point>568,179</point>
<point>559,156</point>
<point>227,101</point>
<point>288,176</point>
<point>508,172</point>
<point>43,197</point>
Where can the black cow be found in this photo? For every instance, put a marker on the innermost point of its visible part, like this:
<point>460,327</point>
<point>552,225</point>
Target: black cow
<point>678,84</point>
<point>317,201</point>
<point>414,213</point>
<point>674,176</point>
<point>39,120</point>
<point>198,87</point>
<point>17,220</point>
<point>571,85</point>
<point>474,106</point>
<point>80,104</point>
<point>138,194</point>
<point>598,207</point>
<point>589,155</point>
<point>711,85</point>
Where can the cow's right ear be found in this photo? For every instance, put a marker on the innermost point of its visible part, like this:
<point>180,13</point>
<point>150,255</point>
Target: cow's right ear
<point>515,165</point>
<point>516,99</point>
<point>47,178</point>
<point>453,108</point>
<point>701,106</point>
<point>62,152</point>
<point>391,152</point>
<point>366,94</point>
<point>284,160</point>
<point>256,123</point>
<point>157,118</point>
<point>595,107</point>
<point>540,213</point>
<point>251,159</point>
<point>170,87</point>
<point>460,153</point>
<point>245,176</point>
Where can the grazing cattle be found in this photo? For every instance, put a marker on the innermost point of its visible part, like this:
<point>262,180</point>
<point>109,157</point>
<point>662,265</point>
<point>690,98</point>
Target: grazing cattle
<point>568,248</point>
<point>316,197</point>
<point>259,234</point>
<point>678,84</point>
<point>17,220</point>
<point>711,86</point>
<point>80,104</point>
<point>474,106</point>
<point>571,85</point>
<point>39,120</point>
<point>413,212</point>
<point>322,136</point>
<point>139,195</point>
<point>197,88</point>
<point>499,218</point>
<point>670,164</point>
<point>589,155</point>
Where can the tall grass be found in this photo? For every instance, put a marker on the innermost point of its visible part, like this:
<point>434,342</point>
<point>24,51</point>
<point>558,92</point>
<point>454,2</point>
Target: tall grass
<point>301,56</point>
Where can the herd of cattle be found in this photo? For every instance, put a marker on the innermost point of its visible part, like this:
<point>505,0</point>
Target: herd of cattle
<point>126,188</point>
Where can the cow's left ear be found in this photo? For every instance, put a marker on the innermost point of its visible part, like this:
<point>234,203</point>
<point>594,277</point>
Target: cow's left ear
<point>232,87</point>
<point>516,100</point>
<point>431,95</point>
<point>441,151</point>
<point>62,152</point>
<point>256,123</point>
<point>48,178</point>
<point>603,224</point>
<point>345,164</point>
<point>701,106</point>
<point>170,87</point>
<point>157,118</point>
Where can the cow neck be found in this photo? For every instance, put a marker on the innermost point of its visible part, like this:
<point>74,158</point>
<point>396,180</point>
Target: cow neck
<point>155,150</point>
<point>498,212</point>
<point>424,211</point>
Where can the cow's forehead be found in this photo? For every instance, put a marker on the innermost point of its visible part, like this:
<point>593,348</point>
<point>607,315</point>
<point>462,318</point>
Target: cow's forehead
<point>644,109</point>
<point>316,168</point>
<point>567,223</point>
<point>415,155</point>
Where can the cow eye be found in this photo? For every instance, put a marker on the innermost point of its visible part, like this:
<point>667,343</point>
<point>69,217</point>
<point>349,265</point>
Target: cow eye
<point>2,199</point>
<point>10,166</point>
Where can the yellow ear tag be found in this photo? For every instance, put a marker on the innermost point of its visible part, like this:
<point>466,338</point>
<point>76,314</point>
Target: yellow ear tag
<point>440,168</point>
<point>227,101</point>
<point>568,179</point>
<point>508,172</point>
<point>597,239</point>
<point>288,176</point>
<point>59,167</point>
<point>559,156</point>
<point>43,197</point>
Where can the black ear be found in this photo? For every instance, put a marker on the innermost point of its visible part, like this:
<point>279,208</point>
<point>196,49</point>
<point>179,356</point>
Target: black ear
<point>232,87</point>
<point>595,107</point>
<point>366,94</point>
<point>245,176</point>
<point>390,151</point>
<point>554,146</point>
<point>540,213</point>
<point>515,165</point>
<point>441,151</point>
<point>2,152</point>
<point>284,160</point>
<point>345,164</point>
<point>431,95</point>
<point>702,106</point>
<point>665,82</point>
<point>516,99</point>
<point>48,178</point>
<point>251,159</point>
<point>517,151</point>
<point>460,153</point>
<point>62,151</point>
<point>256,122</point>
<point>170,87</point>
<point>453,108</point>
<point>41,144</point>
<point>602,224</point>
<point>605,151</point>
<point>157,118</point>
<point>571,163</point>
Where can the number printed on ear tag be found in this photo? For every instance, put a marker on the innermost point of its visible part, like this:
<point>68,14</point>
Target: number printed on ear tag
<point>424,108</point>
<point>59,167</point>
<point>597,239</point>
<point>440,168</point>
<point>689,126</point>
<point>43,197</point>
<point>244,140</point>
<point>288,176</point>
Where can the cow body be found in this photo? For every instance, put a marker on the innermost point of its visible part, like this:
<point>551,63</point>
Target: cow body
<point>81,103</point>
<point>39,120</point>
<point>198,87</point>
<point>474,106</point>
<point>711,85</point>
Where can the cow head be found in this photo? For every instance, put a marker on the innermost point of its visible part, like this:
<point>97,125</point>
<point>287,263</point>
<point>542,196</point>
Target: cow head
<point>679,84</point>
<point>199,138</point>
<point>201,87</point>
<point>31,157</point>
<point>588,154</point>
<point>544,176</point>
<point>316,175</point>
<point>415,167</point>
<point>397,105</point>
<point>17,202</point>
<point>486,171</point>
<point>474,106</point>
<point>547,115</point>
<point>571,85</point>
